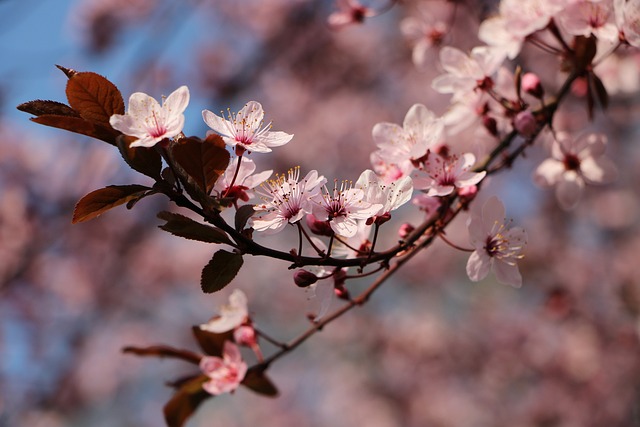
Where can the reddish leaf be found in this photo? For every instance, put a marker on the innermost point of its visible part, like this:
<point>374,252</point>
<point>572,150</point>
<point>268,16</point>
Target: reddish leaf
<point>180,225</point>
<point>99,201</point>
<point>185,402</point>
<point>204,161</point>
<point>145,160</point>
<point>79,125</point>
<point>257,381</point>
<point>94,97</point>
<point>164,351</point>
<point>220,271</point>
<point>210,342</point>
<point>243,214</point>
<point>41,108</point>
<point>601,91</point>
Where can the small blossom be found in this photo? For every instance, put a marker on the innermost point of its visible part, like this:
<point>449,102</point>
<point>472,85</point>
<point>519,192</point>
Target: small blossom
<point>244,181</point>
<point>246,129</point>
<point>627,17</point>
<point>226,373</point>
<point>423,34</point>
<point>497,248</point>
<point>390,196</point>
<point>574,163</point>
<point>149,122</point>
<point>530,83</point>
<point>231,315</point>
<point>586,18</point>
<point>349,12</point>
<point>245,335</point>
<point>442,175</point>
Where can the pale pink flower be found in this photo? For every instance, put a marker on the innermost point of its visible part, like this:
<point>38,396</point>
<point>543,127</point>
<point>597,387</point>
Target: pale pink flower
<point>343,207</point>
<point>440,176</point>
<point>244,182</point>
<point>150,122</point>
<point>627,16</point>
<point>389,195</point>
<point>349,12</point>
<point>246,129</point>
<point>231,316</point>
<point>287,200</point>
<point>574,163</point>
<point>226,373</point>
<point>389,171</point>
<point>497,247</point>
<point>423,34</point>
<point>585,18</point>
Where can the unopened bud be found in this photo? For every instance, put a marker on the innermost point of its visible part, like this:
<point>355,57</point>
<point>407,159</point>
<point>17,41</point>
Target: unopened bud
<point>245,335</point>
<point>467,194</point>
<point>525,123</point>
<point>304,278</point>
<point>490,124</point>
<point>320,228</point>
<point>531,85</point>
<point>405,230</point>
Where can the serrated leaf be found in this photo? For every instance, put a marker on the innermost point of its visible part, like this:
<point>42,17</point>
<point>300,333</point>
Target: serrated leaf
<point>220,271</point>
<point>94,97</point>
<point>164,351</point>
<point>182,226</point>
<point>243,214</point>
<point>185,401</point>
<point>100,201</point>
<point>203,160</point>
<point>257,381</point>
<point>79,125</point>
<point>211,343</point>
<point>41,107</point>
<point>145,160</point>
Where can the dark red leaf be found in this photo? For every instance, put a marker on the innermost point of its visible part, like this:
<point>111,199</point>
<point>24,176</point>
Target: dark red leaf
<point>257,381</point>
<point>182,226</point>
<point>94,97</point>
<point>145,160</point>
<point>67,71</point>
<point>40,107</point>
<point>220,271</point>
<point>100,201</point>
<point>185,402</point>
<point>164,351</point>
<point>210,342</point>
<point>243,214</point>
<point>79,125</point>
<point>204,161</point>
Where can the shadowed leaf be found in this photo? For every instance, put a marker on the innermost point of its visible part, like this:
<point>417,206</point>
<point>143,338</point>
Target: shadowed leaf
<point>164,351</point>
<point>182,226</point>
<point>257,381</point>
<point>99,201</point>
<point>212,343</point>
<point>203,160</point>
<point>94,97</point>
<point>79,125</point>
<point>40,107</point>
<point>243,214</point>
<point>145,160</point>
<point>220,271</point>
<point>601,92</point>
<point>185,401</point>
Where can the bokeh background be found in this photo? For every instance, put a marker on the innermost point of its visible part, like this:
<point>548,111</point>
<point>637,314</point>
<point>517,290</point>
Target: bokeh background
<point>430,349</point>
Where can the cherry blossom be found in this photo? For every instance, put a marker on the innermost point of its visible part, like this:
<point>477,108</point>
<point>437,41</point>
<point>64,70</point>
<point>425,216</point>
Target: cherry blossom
<point>349,12</point>
<point>440,175</point>
<point>150,122</point>
<point>423,34</point>
<point>226,373</point>
<point>245,130</point>
<point>573,163</point>
<point>585,18</point>
<point>497,247</point>
<point>390,196</point>
<point>287,200</point>
<point>627,17</point>
<point>244,180</point>
<point>231,316</point>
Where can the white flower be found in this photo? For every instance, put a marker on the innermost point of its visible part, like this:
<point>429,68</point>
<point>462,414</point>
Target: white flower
<point>244,181</point>
<point>574,163</point>
<point>390,196</point>
<point>231,315</point>
<point>497,248</point>
<point>246,129</point>
<point>149,122</point>
<point>442,175</point>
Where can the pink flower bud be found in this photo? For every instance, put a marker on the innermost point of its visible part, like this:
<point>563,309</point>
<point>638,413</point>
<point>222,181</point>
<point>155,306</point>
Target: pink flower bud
<point>525,123</point>
<point>530,83</point>
<point>304,278</point>
<point>320,228</point>
<point>405,230</point>
<point>245,335</point>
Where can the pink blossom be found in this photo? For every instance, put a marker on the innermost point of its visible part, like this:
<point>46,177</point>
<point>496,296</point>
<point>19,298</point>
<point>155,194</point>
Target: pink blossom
<point>440,175</point>
<point>627,17</point>
<point>231,316</point>
<point>246,129</point>
<point>585,18</point>
<point>525,123</point>
<point>149,122</point>
<point>574,163</point>
<point>497,248</point>
<point>390,196</point>
<point>349,12</point>
<point>226,373</point>
<point>244,180</point>
<point>423,34</point>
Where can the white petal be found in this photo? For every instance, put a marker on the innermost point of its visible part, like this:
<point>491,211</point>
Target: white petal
<point>507,273</point>
<point>493,215</point>
<point>599,170</point>
<point>252,113</point>
<point>275,139</point>
<point>177,102</point>
<point>217,123</point>
<point>568,190</point>
<point>478,266</point>
<point>548,173</point>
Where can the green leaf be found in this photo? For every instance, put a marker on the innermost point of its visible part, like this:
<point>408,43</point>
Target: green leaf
<point>79,125</point>
<point>40,107</point>
<point>94,97</point>
<point>211,343</point>
<point>145,160</point>
<point>257,381</point>
<point>100,201</point>
<point>185,401</point>
<point>220,271</point>
<point>182,226</point>
<point>204,161</point>
<point>164,351</point>
<point>243,214</point>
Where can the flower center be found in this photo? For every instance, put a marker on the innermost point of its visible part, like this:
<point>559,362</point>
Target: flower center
<point>571,162</point>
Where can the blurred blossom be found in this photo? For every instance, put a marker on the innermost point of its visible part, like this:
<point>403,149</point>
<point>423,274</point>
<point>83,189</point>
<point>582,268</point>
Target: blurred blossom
<point>231,316</point>
<point>226,373</point>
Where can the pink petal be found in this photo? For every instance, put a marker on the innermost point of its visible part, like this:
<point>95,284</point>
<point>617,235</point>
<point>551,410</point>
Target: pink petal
<point>569,189</point>
<point>548,173</point>
<point>507,273</point>
<point>478,266</point>
<point>177,102</point>
<point>599,170</point>
<point>493,215</point>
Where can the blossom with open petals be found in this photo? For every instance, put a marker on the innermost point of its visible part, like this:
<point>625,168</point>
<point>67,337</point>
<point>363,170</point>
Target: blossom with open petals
<point>231,316</point>
<point>390,196</point>
<point>627,17</point>
<point>246,129</point>
<point>150,122</point>
<point>440,175</point>
<point>497,247</point>
<point>349,12</point>
<point>226,373</point>
<point>245,180</point>
<point>573,164</point>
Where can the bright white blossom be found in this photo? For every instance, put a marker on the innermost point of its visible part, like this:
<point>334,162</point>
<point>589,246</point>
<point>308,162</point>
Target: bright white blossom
<point>627,16</point>
<point>244,180</point>
<point>390,196</point>
<point>150,122</point>
<point>231,316</point>
<point>440,176</point>
<point>343,207</point>
<point>574,163</point>
<point>226,373</point>
<point>497,248</point>
<point>287,200</point>
<point>246,129</point>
